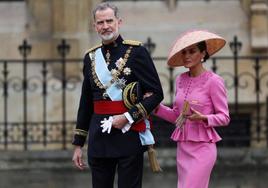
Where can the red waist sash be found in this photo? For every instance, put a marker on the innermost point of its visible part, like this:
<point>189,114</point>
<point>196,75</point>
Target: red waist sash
<point>116,107</point>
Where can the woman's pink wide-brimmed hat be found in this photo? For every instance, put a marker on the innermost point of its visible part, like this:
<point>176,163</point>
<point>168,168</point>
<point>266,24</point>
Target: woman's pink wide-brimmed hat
<point>214,43</point>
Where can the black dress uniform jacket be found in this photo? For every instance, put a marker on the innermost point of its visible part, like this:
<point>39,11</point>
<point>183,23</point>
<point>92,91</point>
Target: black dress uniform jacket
<point>139,67</point>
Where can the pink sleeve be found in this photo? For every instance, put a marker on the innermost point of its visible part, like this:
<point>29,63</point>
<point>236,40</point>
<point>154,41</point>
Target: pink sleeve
<point>167,113</point>
<point>220,117</point>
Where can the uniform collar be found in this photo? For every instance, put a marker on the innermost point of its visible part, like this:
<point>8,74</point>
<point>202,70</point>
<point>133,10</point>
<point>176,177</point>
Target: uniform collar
<point>114,44</point>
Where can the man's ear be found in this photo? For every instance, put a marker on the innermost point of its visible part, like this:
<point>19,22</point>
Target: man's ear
<point>120,22</point>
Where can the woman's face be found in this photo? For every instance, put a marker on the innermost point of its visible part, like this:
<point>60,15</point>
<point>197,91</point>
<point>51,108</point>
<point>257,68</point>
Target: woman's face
<point>192,56</point>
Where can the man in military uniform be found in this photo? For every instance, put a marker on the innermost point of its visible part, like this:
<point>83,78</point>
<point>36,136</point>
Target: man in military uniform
<point>118,131</point>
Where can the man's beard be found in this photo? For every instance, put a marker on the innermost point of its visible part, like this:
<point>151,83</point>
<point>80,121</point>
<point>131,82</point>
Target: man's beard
<point>108,37</point>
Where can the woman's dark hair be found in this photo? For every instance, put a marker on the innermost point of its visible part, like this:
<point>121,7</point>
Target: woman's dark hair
<point>203,47</point>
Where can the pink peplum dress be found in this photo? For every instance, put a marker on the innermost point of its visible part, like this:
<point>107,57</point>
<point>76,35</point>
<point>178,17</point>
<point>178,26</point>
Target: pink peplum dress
<point>196,141</point>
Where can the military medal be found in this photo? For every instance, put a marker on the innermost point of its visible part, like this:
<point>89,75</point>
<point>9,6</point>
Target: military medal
<point>120,69</point>
<point>127,71</point>
<point>121,83</point>
<point>105,95</point>
<point>108,55</point>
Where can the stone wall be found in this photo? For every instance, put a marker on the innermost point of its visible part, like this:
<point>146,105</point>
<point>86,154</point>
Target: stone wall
<point>45,23</point>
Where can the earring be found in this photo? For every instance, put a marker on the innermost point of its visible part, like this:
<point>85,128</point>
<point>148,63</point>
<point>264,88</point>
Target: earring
<point>202,60</point>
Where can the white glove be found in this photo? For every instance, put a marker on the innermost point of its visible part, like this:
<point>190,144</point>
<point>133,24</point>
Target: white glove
<point>126,128</point>
<point>107,125</point>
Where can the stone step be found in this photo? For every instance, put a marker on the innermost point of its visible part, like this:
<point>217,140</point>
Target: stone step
<point>227,157</point>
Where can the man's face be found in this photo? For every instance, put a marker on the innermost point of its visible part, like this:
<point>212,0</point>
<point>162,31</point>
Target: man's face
<point>107,25</point>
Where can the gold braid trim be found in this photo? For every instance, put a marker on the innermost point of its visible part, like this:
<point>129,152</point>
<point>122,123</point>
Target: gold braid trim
<point>93,48</point>
<point>142,110</point>
<point>94,74</point>
<point>80,132</point>
<point>131,94</point>
<point>125,95</point>
<point>132,42</point>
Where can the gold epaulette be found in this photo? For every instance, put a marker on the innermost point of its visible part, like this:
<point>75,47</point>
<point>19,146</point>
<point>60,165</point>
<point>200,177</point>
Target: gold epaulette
<point>132,42</point>
<point>93,48</point>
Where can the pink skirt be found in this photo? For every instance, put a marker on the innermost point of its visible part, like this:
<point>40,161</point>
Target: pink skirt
<point>195,161</point>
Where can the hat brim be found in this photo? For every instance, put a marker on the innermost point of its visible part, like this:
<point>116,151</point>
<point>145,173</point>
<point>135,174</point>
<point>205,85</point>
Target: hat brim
<point>213,42</point>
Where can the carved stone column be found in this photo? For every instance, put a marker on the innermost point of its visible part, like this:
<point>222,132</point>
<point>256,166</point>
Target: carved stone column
<point>259,26</point>
<point>245,4</point>
<point>39,27</point>
<point>70,20</point>
<point>171,4</point>
<point>52,20</point>
<point>259,46</point>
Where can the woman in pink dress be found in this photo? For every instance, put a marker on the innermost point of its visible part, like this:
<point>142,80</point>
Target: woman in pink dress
<point>200,105</point>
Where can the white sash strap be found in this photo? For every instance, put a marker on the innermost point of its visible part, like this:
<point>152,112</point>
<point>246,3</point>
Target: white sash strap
<point>105,77</point>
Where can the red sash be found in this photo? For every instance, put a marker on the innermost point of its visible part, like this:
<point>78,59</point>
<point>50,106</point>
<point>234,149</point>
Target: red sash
<point>116,107</point>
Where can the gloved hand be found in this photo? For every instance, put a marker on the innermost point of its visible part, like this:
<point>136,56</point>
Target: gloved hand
<point>107,125</point>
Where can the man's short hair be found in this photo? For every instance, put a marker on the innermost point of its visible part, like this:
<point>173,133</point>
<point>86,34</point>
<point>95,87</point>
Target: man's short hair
<point>103,6</point>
